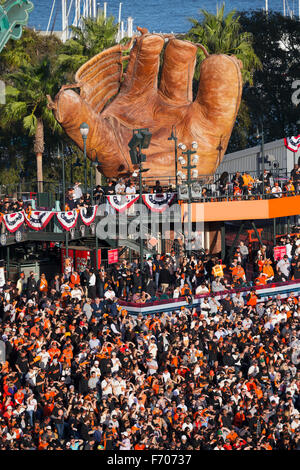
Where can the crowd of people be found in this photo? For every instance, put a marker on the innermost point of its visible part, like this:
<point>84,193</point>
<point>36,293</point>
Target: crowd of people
<point>79,372</point>
<point>233,187</point>
<point>244,184</point>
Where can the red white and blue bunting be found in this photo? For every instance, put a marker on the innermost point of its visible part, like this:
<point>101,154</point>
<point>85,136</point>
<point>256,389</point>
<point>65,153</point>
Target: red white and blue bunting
<point>88,214</point>
<point>67,219</point>
<point>292,143</point>
<point>13,221</point>
<point>122,202</point>
<point>158,202</point>
<point>37,220</point>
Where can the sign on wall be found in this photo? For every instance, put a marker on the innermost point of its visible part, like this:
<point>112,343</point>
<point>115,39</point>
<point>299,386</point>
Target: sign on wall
<point>113,256</point>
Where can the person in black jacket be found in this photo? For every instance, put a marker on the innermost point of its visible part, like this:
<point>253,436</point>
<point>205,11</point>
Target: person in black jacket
<point>164,278</point>
<point>31,284</point>
<point>136,282</point>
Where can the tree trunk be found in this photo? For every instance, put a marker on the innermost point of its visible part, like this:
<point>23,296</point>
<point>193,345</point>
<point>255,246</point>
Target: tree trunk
<point>39,149</point>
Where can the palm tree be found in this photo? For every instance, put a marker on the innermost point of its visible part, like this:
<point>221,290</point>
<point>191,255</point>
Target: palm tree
<point>27,103</point>
<point>28,50</point>
<point>92,37</point>
<point>221,34</point>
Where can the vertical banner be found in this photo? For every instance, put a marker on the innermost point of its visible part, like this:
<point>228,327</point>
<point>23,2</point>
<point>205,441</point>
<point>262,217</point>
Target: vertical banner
<point>113,256</point>
<point>98,258</point>
<point>82,260</point>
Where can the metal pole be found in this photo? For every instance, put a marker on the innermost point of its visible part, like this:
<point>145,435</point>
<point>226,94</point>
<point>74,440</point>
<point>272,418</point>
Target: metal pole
<point>8,261</point>
<point>189,203</point>
<point>64,181</point>
<point>67,244</point>
<point>71,169</point>
<point>176,160</point>
<point>85,165</point>
<point>223,242</point>
<point>141,218</point>
<point>188,153</point>
<point>96,246</point>
<point>64,201</point>
<point>91,178</point>
<point>263,156</point>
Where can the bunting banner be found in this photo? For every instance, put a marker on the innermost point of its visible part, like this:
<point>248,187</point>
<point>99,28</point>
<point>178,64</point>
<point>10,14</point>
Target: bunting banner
<point>292,143</point>
<point>37,220</point>
<point>13,221</point>
<point>158,202</point>
<point>67,219</point>
<point>122,202</point>
<point>88,214</point>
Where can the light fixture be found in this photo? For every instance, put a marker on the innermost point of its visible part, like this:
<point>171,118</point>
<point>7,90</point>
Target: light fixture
<point>146,138</point>
<point>194,145</point>
<point>181,160</point>
<point>195,159</point>
<point>134,174</point>
<point>135,140</point>
<point>84,130</point>
<point>182,146</point>
<point>181,175</point>
<point>194,173</point>
<point>140,138</point>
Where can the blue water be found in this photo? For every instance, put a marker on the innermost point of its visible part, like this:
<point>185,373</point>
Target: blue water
<point>157,15</point>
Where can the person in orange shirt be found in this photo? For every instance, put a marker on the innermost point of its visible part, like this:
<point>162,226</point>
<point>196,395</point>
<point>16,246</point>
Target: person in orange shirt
<point>218,269</point>
<point>252,298</point>
<point>42,284</point>
<point>54,351</point>
<point>74,279</point>
<point>247,181</point>
<point>261,280</point>
<point>268,270</point>
<point>19,397</point>
<point>67,355</point>
<point>238,271</point>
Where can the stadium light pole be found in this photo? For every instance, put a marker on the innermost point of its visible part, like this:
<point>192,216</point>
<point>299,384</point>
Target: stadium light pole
<point>262,151</point>
<point>140,140</point>
<point>173,136</point>
<point>62,156</point>
<point>190,165</point>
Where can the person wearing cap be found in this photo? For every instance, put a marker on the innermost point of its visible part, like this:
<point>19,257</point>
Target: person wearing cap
<point>69,200</point>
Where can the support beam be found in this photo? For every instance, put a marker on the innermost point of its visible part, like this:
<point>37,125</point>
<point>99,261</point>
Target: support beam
<point>7,261</point>
<point>257,233</point>
<point>241,227</point>
<point>223,242</point>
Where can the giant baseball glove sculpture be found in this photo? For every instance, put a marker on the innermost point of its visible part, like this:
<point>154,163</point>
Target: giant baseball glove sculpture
<point>113,106</point>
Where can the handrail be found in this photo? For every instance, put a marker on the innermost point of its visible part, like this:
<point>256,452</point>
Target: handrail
<point>209,294</point>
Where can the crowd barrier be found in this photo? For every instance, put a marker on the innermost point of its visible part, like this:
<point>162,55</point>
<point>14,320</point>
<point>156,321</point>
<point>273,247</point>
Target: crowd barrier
<point>284,289</point>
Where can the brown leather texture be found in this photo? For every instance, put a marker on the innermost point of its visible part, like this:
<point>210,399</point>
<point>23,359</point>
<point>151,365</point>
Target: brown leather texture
<point>113,104</point>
